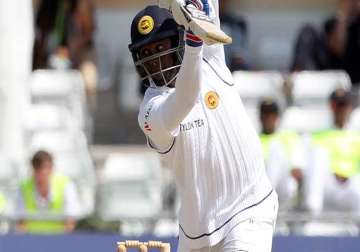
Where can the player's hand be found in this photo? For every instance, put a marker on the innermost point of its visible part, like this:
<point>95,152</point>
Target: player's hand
<point>188,13</point>
<point>201,5</point>
<point>185,10</point>
<point>193,5</point>
<point>198,17</point>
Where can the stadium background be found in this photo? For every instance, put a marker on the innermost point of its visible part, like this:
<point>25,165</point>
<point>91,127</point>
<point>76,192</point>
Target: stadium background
<point>107,141</point>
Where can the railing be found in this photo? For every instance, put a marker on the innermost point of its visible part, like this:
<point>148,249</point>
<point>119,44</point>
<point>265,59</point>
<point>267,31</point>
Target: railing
<point>327,223</point>
<point>293,222</point>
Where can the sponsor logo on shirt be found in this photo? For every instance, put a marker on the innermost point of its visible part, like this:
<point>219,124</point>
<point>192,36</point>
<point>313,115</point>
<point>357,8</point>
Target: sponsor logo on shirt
<point>147,115</point>
<point>192,125</point>
<point>212,99</point>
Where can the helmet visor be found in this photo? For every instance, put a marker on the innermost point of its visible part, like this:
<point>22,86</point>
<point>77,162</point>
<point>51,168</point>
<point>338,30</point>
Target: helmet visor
<point>161,69</point>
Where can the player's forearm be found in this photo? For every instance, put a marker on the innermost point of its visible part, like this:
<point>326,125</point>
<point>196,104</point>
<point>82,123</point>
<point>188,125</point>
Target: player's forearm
<point>187,88</point>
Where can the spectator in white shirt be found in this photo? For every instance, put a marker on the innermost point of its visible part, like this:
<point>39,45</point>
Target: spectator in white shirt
<point>283,153</point>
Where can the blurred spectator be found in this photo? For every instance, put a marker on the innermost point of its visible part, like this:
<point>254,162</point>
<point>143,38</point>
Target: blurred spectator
<point>346,37</point>
<point>282,154</point>
<point>333,179</point>
<point>313,51</point>
<point>47,202</point>
<point>341,108</point>
<point>237,55</point>
<point>306,50</point>
<point>335,47</point>
<point>64,38</point>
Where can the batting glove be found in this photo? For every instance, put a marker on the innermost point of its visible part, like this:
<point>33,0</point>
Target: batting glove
<point>196,7</point>
<point>186,12</point>
<point>189,13</point>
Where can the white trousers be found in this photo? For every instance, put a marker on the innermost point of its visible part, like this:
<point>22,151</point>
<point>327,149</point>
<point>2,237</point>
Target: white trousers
<point>254,234</point>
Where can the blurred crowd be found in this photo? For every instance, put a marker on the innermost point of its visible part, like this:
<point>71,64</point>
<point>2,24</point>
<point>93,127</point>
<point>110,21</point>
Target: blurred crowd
<point>317,171</point>
<point>64,39</point>
<point>314,172</point>
<point>334,46</point>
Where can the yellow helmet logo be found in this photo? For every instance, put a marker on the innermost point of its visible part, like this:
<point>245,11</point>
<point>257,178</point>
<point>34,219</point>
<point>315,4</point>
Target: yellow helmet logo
<point>212,99</point>
<point>146,25</point>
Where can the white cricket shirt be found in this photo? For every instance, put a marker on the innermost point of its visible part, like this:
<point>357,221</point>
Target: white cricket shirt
<point>214,151</point>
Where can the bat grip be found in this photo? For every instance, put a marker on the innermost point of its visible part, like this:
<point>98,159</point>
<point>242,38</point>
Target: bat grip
<point>206,6</point>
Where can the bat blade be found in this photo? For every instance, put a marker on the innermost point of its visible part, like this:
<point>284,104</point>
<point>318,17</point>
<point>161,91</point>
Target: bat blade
<point>209,32</point>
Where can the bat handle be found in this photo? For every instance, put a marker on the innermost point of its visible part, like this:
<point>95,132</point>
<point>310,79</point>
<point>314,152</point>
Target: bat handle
<point>206,6</point>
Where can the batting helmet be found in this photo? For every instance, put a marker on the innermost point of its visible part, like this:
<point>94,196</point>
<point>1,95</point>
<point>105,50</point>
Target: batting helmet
<point>150,25</point>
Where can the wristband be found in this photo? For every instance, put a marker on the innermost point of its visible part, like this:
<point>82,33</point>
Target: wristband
<point>192,40</point>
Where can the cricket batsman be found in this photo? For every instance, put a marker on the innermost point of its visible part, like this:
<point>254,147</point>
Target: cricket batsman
<point>193,116</point>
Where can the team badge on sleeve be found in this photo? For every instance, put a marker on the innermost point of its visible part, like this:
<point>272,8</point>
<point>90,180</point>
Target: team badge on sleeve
<point>147,127</point>
<point>212,99</point>
<point>146,25</point>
